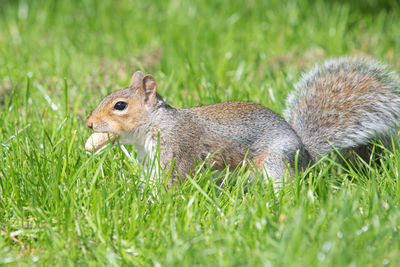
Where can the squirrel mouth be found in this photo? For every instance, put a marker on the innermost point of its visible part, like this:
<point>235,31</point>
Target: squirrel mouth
<point>99,140</point>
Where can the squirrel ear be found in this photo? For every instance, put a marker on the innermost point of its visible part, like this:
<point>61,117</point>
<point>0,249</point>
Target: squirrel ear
<point>137,77</point>
<point>149,87</point>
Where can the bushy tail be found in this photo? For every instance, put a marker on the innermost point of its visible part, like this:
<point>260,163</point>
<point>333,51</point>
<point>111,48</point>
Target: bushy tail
<point>345,102</point>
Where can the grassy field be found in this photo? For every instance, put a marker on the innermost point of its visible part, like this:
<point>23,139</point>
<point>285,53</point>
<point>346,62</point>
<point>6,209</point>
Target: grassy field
<point>60,205</point>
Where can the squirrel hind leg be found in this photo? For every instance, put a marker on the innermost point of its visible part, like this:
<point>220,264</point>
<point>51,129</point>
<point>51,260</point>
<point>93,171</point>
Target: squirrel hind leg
<point>275,171</point>
<point>279,166</point>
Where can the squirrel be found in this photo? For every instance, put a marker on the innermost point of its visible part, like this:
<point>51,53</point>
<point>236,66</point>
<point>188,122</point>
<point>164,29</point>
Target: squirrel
<point>341,103</point>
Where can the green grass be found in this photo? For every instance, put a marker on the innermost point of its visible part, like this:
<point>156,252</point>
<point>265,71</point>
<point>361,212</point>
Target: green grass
<point>60,205</point>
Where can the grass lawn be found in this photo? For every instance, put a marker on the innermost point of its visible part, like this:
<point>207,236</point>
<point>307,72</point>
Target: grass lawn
<point>62,206</point>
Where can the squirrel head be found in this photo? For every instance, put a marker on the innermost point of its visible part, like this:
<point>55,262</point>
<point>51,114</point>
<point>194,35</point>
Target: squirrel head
<point>127,109</point>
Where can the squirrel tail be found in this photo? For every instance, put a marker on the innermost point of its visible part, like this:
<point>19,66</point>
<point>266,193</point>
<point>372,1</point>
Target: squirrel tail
<point>345,103</point>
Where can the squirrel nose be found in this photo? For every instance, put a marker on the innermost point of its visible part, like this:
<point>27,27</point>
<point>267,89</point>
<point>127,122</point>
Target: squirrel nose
<point>89,124</point>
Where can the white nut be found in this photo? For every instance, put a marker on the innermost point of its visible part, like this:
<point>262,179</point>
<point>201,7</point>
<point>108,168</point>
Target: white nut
<point>98,140</point>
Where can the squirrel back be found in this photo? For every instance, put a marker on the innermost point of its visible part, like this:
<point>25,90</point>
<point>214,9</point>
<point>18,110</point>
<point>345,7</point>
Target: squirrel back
<point>344,103</point>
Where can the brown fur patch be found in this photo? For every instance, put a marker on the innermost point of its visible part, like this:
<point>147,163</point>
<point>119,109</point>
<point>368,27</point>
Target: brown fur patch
<point>224,112</point>
<point>223,154</point>
<point>259,160</point>
<point>227,157</point>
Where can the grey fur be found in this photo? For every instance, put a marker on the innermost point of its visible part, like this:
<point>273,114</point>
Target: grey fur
<point>373,114</point>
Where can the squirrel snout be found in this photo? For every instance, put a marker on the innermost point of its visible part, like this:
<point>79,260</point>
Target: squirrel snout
<point>89,124</point>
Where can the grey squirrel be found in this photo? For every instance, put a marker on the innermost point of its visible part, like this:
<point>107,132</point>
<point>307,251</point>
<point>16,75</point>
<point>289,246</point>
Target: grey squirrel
<point>344,102</point>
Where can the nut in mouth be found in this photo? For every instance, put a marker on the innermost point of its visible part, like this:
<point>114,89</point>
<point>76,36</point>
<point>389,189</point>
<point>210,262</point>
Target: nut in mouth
<point>98,140</point>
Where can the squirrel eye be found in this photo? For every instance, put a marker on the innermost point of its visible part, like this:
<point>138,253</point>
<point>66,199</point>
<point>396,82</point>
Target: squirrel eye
<point>120,105</point>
